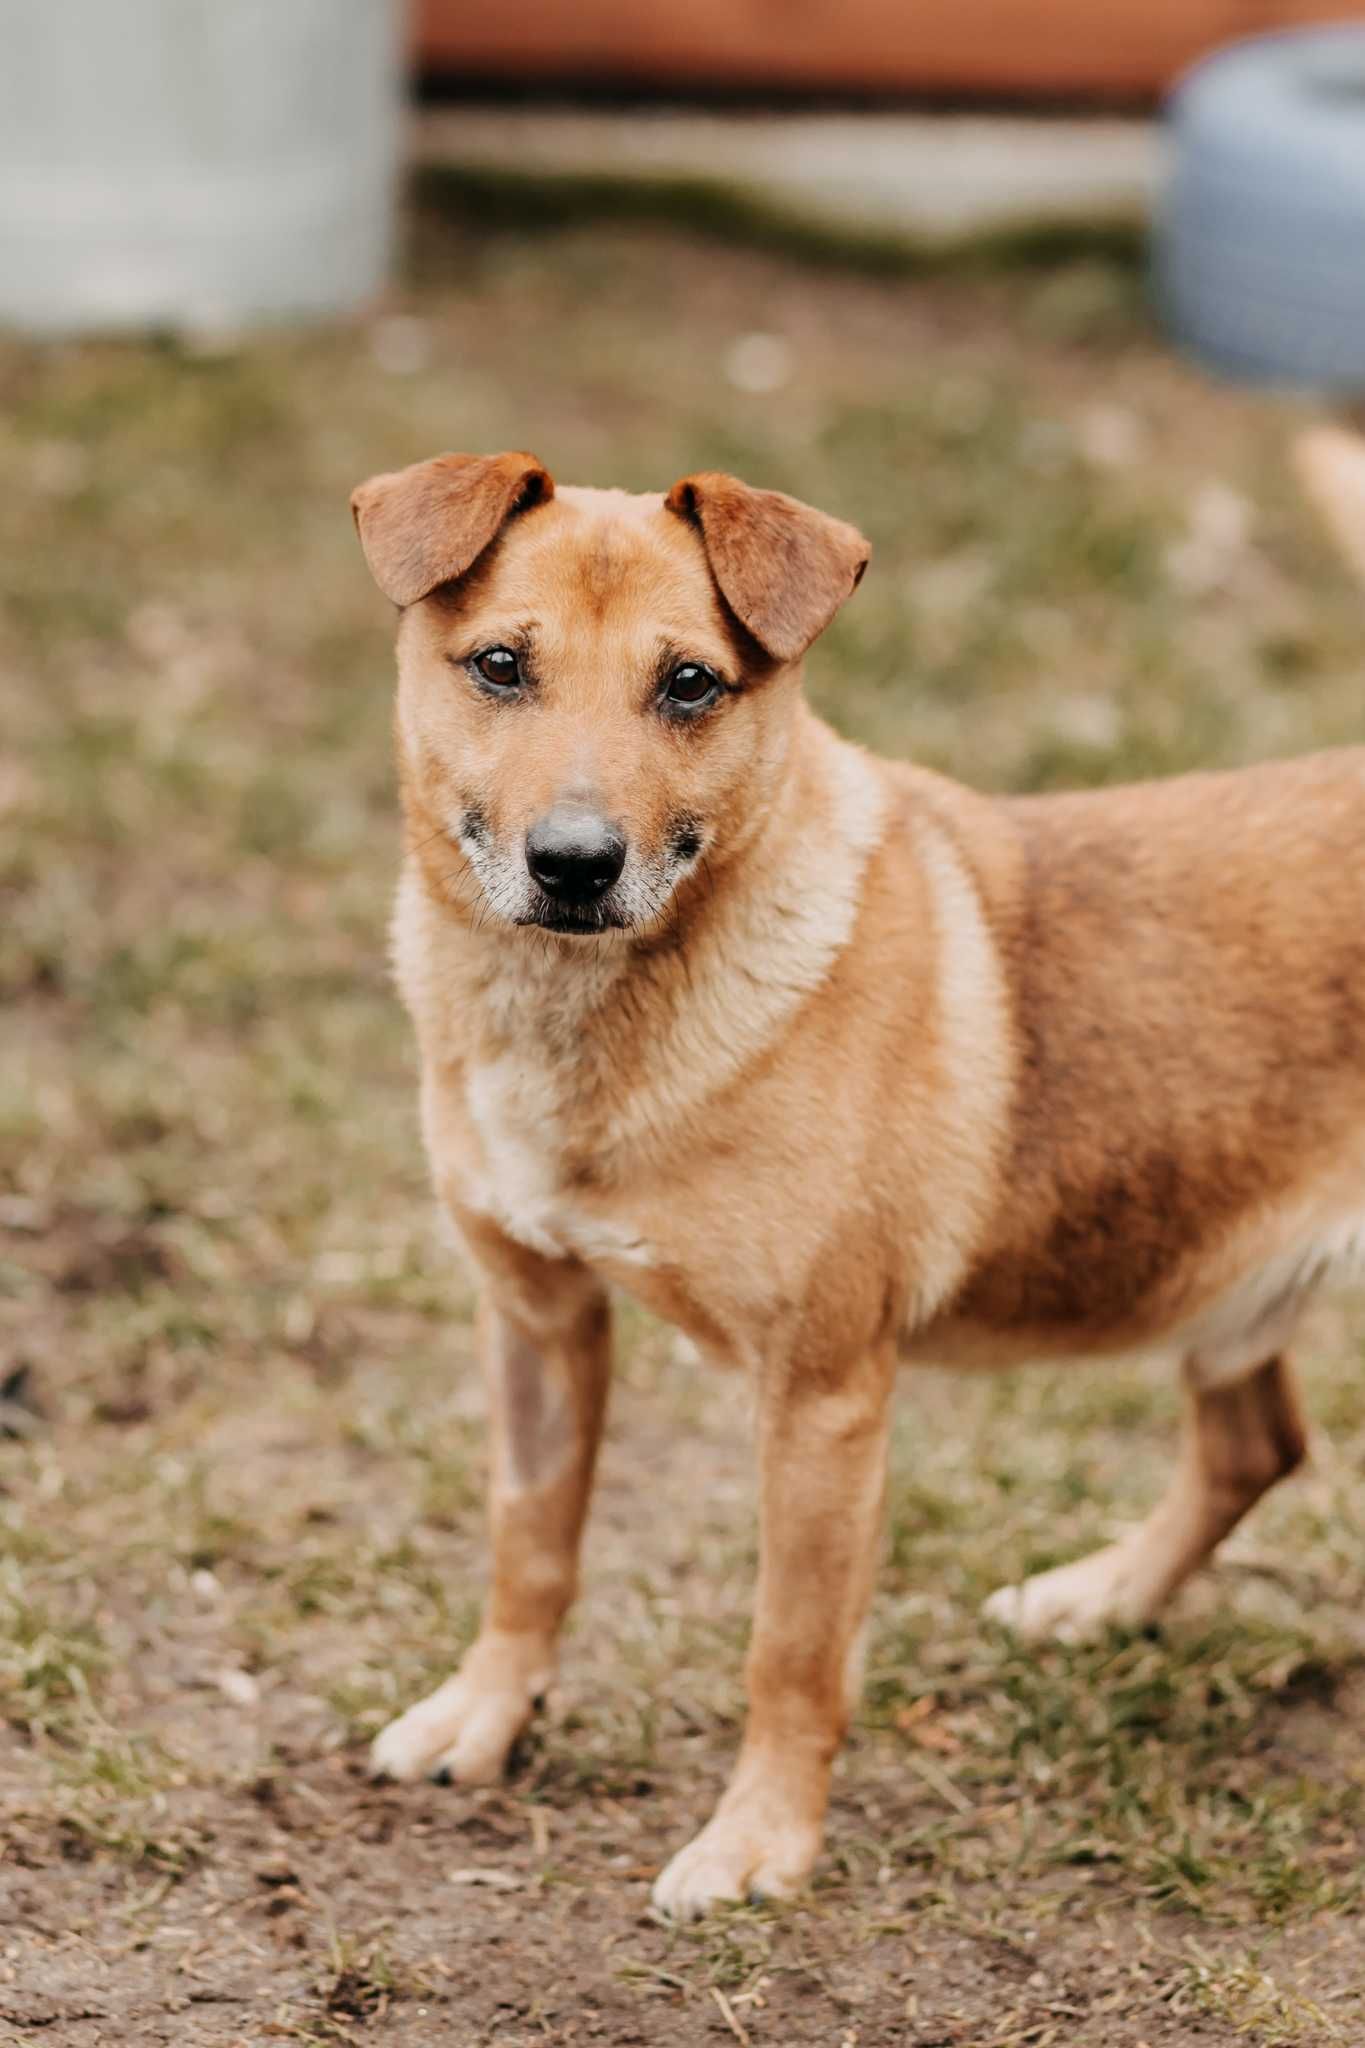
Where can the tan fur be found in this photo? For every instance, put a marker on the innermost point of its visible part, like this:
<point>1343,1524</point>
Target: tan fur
<point>745,532</point>
<point>1237,1442</point>
<point>425,525</point>
<point>880,1067</point>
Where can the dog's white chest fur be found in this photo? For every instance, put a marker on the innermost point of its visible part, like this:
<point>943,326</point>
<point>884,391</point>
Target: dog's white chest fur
<point>518,1110</point>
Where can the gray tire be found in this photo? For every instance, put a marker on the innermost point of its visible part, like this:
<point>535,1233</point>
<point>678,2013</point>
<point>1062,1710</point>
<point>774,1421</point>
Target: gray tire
<point>1260,238</point>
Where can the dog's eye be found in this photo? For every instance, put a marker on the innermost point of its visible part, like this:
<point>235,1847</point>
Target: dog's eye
<point>691,685</point>
<point>498,666</point>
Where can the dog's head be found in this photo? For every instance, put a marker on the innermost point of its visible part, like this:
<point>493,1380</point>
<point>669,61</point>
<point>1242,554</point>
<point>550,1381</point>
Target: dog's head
<point>596,691</point>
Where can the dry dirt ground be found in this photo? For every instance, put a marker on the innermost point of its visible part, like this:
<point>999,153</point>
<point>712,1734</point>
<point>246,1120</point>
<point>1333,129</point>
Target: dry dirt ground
<point>239,1430</point>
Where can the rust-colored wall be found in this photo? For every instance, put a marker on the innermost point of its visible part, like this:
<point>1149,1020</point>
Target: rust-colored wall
<point>1025,47</point>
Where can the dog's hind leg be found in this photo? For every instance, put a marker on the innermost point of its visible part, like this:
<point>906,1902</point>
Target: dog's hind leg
<point>1238,1439</point>
<point>544,1340</point>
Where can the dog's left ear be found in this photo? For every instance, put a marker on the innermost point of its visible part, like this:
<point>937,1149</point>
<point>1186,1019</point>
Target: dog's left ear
<point>783,568</point>
<point>427,524</point>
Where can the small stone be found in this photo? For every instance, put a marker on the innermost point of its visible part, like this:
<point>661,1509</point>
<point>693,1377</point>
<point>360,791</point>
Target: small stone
<point>239,1687</point>
<point>401,345</point>
<point>758,363</point>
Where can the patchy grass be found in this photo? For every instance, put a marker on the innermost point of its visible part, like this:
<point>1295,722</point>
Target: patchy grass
<point>1255,2004</point>
<point>240,1524</point>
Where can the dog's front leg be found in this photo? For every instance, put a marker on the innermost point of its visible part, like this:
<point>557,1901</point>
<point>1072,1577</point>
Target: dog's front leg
<point>822,1481</point>
<point>544,1341</point>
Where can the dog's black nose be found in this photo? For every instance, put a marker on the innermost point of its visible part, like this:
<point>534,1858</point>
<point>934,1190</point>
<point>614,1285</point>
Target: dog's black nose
<point>573,854</point>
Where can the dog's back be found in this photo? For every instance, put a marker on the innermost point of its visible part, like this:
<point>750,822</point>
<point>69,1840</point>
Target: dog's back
<point>1185,964</point>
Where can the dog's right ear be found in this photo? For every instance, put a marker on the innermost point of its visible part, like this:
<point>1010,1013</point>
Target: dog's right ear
<point>429,523</point>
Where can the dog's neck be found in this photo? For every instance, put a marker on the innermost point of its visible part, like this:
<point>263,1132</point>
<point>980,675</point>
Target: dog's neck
<point>685,1009</point>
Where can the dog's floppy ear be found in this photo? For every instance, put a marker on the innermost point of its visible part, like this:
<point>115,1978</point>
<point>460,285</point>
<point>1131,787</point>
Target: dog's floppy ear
<point>425,525</point>
<point>783,568</point>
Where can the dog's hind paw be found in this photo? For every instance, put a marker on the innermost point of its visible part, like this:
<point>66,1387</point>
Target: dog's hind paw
<point>464,1731</point>
<point>1075,1602</point>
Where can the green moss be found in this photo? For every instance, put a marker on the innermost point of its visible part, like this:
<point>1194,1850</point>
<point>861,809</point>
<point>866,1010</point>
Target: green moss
<point>505,201</point>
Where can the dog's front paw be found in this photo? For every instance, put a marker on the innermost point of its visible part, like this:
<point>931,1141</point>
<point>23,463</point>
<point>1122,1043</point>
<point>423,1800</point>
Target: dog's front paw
<point>464,1731</point>
<point>1076,1602</point>
<point>736,1857</point>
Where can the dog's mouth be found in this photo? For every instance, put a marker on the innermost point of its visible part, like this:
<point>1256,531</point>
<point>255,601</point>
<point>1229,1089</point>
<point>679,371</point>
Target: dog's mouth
<point>581,921</point>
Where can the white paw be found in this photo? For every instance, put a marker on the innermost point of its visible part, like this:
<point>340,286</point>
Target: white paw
<point>462,1731</point>
<point>730,1861</point>
<point>1075,1602</point>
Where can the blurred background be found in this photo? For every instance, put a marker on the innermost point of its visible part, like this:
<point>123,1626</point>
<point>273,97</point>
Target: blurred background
<point>1087,377</point>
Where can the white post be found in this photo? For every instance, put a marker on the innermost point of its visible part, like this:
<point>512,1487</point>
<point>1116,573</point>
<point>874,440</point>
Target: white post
<point>195,163</point>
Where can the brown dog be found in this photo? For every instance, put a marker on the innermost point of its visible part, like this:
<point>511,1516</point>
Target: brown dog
<point>829,1062</point>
